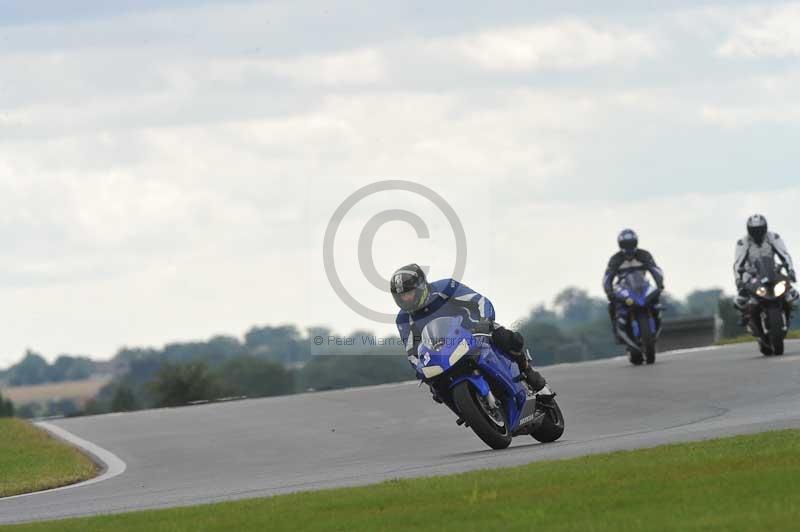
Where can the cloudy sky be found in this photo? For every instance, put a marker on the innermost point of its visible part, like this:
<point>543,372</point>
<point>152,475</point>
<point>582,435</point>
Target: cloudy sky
<point>168,169</point>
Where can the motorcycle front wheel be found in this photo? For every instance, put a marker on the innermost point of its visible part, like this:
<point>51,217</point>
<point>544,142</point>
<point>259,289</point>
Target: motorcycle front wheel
<point>647,339</point>
<point>488,424</point>
<point>776,334</point>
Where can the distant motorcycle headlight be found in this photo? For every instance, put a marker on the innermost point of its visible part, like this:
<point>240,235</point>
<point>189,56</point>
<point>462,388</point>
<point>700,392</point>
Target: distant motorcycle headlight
<point>781,288</point>
<point>629,302</point>
<point>761,292</point>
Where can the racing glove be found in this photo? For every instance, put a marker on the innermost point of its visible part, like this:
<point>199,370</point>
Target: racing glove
<point>741,288</point>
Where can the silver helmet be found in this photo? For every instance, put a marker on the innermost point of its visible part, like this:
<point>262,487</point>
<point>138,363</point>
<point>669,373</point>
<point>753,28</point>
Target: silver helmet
<point>757,228</point>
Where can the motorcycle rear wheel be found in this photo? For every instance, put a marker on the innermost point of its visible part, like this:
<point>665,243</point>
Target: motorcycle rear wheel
<point>552,426</point>
<point>765,349</point>
<point>474,413</point>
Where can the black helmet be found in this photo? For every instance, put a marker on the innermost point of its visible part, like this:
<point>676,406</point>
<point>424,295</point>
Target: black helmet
<point>757,228</point>
<point>628,242</point>
<point>409,288</point>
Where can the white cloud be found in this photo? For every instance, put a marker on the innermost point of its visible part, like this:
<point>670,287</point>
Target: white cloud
<point>740,116</point>
<point>570,44</point>
<point>352,67</point>
<point>764,32</point>
<point>761,99</point>
<point>355,67</point>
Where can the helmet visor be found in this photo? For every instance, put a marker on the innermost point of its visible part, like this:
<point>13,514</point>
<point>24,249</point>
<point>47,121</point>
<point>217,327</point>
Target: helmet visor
<point>412,300</point>
<point>757,233</point>
<point>629,246</point>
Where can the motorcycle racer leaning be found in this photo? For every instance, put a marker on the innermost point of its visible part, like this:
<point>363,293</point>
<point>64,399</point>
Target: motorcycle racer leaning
<point>758,243</point>
<point>630,257</point>
<point>421,302</point>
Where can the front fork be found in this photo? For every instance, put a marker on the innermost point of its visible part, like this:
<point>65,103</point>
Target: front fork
<point>786,315</point>
<point>629,321</point>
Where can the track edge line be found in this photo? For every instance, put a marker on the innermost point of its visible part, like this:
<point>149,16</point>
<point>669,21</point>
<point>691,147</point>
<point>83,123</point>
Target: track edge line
<point>110,464</point>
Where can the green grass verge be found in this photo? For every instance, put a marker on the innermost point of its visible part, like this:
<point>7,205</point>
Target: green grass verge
<point>742,483</point>
<point>32,460</point>
<point>793,335</point>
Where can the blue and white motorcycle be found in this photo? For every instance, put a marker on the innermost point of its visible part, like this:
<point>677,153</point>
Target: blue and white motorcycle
<point>483,387</point>
<point>638,322</point>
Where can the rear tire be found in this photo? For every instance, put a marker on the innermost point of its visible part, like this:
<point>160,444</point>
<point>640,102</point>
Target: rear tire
<point>765,349</point>
<point>552,426</point>
<point>648,340</point>
<point>466,400</point>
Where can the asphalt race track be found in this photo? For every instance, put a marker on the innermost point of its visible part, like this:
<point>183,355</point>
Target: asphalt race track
<point>253,448</point>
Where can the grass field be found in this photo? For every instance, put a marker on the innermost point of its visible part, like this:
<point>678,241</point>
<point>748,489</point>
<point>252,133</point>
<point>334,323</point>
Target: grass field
<point>748,483</point>
<point>31,460</point>
<point>80,390</point>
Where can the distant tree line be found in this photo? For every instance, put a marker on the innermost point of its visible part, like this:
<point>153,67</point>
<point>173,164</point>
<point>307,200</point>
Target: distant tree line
<point>149,384</point>
<point>278,360</point>
<point>34,369</point>
<point>52,407</point>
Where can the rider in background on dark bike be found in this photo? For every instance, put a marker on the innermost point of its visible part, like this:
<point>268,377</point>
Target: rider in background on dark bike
<point>758,243</point>
<point>629,258</point>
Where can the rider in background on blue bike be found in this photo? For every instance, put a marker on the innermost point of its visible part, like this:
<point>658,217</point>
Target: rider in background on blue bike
<point>629,258</point>
<point>421,302</point>
<point>758,243</point>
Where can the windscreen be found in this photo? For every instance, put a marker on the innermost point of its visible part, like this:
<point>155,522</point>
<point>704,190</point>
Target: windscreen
<point>635,281</point>
<point>437,331</point>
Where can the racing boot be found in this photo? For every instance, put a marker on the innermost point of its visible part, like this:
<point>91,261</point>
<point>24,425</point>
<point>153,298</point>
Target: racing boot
<point>615,331</point>
<point>792,301</point>
<point>741,303</point>
<point>659,318</point>
<point>534,379</point>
